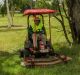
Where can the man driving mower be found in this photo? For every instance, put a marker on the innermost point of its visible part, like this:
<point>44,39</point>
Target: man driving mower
<point>38,33</point>
<point>36,38</point>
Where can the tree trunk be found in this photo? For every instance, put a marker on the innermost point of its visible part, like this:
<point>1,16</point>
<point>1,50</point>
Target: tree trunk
<point>8,14</point>
<point>74,13</point>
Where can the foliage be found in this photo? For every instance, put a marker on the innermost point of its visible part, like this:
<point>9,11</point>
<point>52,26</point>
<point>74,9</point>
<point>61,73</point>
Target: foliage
<point>3,9</point>
<point>24,4</point>
<point>42,4</point>
<point>18,5</point>
<point>54,4</point>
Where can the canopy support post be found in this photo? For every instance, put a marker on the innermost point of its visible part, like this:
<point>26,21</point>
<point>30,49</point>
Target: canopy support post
<point>28,26</point>
<point>50,28</point>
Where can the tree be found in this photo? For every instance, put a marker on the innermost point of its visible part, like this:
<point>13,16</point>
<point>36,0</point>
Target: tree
<point>61,20</point>
<point>43,4</point>
<point>8,14</point>
<point>54,5</point>
<point>74,13</point>
<point>3,10</point>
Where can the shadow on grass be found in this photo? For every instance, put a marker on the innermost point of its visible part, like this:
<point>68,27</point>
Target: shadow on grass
<point>13,29</point>
<point>68,50</point>
<point>12,26</point>
<point>5,57</point>
<point>9,63</point>
<point>71,51</point>
<point>2,59</point>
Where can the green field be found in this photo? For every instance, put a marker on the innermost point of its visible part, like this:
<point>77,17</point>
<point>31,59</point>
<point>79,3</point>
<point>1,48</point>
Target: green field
<point>11,40</point>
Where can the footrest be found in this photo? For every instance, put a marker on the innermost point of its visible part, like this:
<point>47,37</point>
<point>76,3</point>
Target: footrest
<point>44,51</point>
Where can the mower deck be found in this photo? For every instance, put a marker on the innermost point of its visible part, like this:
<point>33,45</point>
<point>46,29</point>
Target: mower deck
<point>47,61</point>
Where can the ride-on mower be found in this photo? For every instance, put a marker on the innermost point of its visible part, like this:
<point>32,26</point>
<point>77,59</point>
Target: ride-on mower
<point>36,53</point>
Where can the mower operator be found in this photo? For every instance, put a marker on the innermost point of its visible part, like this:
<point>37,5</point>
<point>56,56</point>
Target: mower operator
<point>38,32</point>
